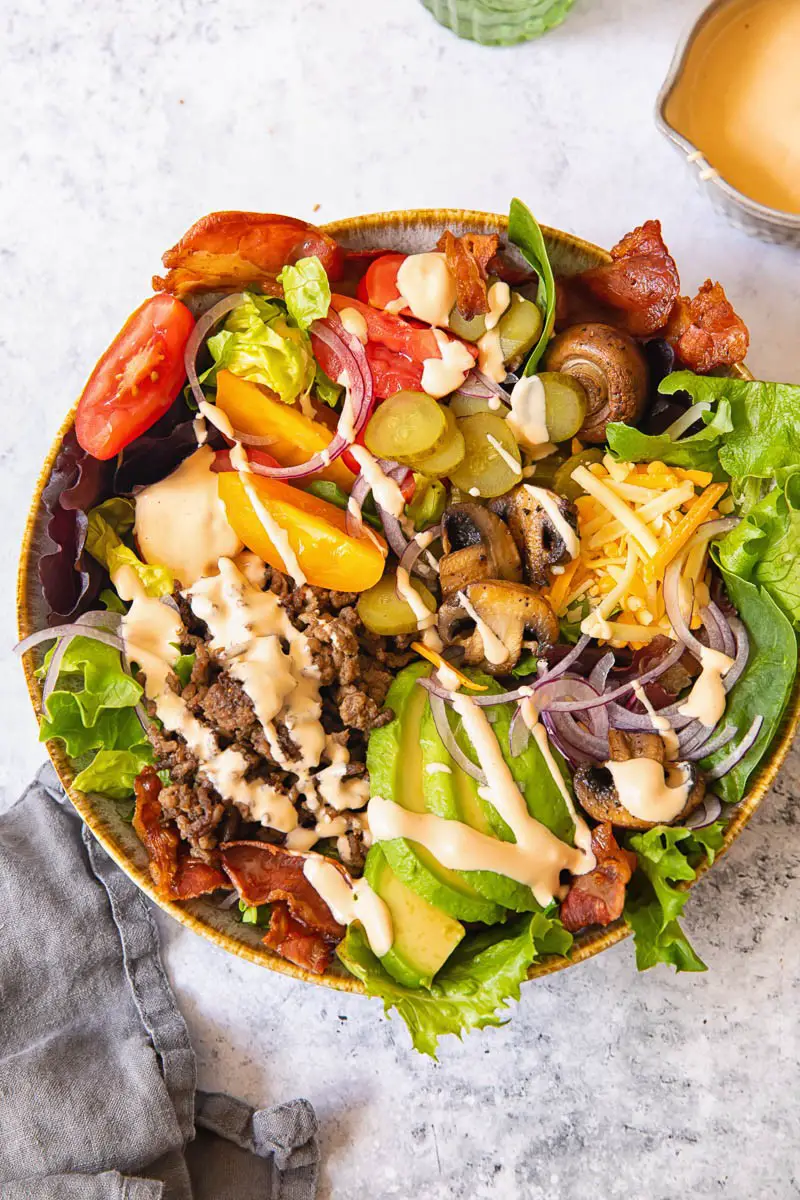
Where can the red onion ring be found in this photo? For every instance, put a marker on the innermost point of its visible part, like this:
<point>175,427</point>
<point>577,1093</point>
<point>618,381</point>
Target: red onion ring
<point>74,629</point>
<point>440,720</point>
<point>494,389</point>
<point>709,745</point>
<point>200,332</point>
<point>358,494</point>
<point>599,673</point>
<point>668,661</point>
<point>568,660</point>
<point>397,540</point>
<point>623,718</point>
<point>706,812</point>
<point>738,752</point>
<point>742,652</point>
<point>409,557</point>
<point>97,620</point>
<point>713,631</point>
<point>518,734</point>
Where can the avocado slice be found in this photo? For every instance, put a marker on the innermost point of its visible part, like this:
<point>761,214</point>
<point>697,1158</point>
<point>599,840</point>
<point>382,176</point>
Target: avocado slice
<point>394,762</point>
<point>424,936</point>
<point>455,795</point>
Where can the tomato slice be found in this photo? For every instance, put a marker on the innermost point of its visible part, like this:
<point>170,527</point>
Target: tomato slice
<point>392,372</point>
<point>395,333</point>
<point>137,379</point>
<point>379,284</point>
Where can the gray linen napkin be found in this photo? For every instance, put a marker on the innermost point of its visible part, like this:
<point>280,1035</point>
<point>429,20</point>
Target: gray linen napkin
<point>97,1075</point>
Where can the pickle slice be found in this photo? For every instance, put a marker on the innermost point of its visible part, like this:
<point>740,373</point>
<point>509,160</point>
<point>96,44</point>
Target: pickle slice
<point>408,425</point>
<point>447,455</point>
<point>563,483</point>
<point>520,328</point>
<point>383,612</point>
<point>565,402</point>
<point>484,467</point>
<point>468,406</point>
<point>470,331</point>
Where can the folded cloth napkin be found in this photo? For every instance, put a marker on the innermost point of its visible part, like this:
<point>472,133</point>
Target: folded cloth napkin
<point>97,1075</point>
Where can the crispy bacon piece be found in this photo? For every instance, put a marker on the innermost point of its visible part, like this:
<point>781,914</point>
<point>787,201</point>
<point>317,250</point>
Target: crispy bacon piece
<point>175,873</point>
<point>228,250</point>
<point>295,942</point>
<point>706,332</point>
<point>264,874</point>
<point>640,286</point>
<point>467,257</point>
<point>598,897</point>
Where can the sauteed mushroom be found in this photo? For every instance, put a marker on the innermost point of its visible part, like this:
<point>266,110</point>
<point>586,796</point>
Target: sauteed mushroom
<point>597,793</point>
<point>477,545</point>
<point>612,369</point>
<point>508,614</point>
<point>538,539</point>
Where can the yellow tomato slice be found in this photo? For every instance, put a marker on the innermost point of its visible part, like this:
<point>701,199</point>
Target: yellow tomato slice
<point>251,409</point>
<point>328,556</point>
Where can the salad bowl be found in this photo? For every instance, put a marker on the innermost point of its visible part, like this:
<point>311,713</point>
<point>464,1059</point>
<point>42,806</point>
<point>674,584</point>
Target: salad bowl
<point>408,231</point>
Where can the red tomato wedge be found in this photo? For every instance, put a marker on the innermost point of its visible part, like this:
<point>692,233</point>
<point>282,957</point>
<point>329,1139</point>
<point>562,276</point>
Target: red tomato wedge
<point>395,333</point>
<point>378,286</point>
<point>137,379</point>
<point>393,372</point>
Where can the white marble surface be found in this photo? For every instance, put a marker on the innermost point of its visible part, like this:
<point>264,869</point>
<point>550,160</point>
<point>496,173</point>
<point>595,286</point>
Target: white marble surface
<point>124,121</point>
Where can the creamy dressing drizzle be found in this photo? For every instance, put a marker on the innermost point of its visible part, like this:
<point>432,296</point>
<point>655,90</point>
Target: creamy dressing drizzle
<point>443,375</point>
<point>507,458</point>
<point>275,532</point>
<point>351,900</point>
<point>660,723</point>
<point>648,792</point>
<point>216,417</point>
<point>528,417</point>
<point>499,298</point>
<point>427,287</point>
<point>490,356</point>
<point>706,700</point>
<point>494,648</point>
<point>583,834</point>
<point>181,521</point>
<point>549,502</point>
<point>386,491</point>
<point>354,323</point>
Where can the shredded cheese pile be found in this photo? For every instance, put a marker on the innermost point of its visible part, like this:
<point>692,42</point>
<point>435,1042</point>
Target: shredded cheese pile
<point>633,521</point>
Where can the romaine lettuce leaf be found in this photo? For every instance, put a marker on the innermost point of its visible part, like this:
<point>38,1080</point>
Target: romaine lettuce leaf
<point>765,685</point>
<point>482,974</point>
<point>258,343</point>
<point>306,291</point>
<point>326,390</point>
<point>112,772</point>
<point>667,855</point>
<point>107,525</point>
<point>524,232</point>
<point>698,452</point>
<point>764,548</point>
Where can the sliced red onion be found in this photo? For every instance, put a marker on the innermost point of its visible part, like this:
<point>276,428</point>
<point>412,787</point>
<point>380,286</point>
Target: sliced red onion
<point>723,624</point>
<point>141,713</point>
<point>574,754</point>
<point>201,332</point>
<point>667,661</point>
<point>439,714</point>
<point>712,628</point>
<point>742,653</point>
<point>410,556</point>
<point>599,673</point>
<point>623,718</point>
<point>358,494</point>
<point>228,901</point>
<point>394,533</point>
<point>75,629</point>
<point>432,685</point>
<point>706,812</point>
<point>518,734</point>
<point>568,660</point>
<point>738,752</point>
<point>254,440</point>
<point>96,620</point>
<point>709,745</point>
<point>489,385</point>
<point>672,580</point>
<point>573,735</point>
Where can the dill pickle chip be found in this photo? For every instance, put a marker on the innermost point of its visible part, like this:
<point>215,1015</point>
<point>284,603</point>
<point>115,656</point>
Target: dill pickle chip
<point>565,403</point>
<point>491,458</point>
<point>447,455</point>
<point>563,483</point>
<point>470,331</point>
<point>406,426</point>
<point>520,328</point>
<point>383,612</point>
<point>468,406</point>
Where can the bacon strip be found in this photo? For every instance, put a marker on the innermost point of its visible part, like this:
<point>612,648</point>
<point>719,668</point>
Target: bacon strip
<point>264,874</point>
<point>641,284</point>
<point>706,332</point>
<point>229,250</point>
<point>468,257</point>
<point>295,942</point>
<point>175,873</point>
<point>598,897</point>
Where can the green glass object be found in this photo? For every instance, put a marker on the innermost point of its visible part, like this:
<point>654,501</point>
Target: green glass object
<point>499,22</point>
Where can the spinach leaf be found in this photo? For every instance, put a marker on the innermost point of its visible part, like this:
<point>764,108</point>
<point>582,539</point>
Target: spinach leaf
<point>765,685</point>
<point>524,232</point>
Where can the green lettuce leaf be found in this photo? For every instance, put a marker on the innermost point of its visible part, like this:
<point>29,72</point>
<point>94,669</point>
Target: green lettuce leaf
<point>699,452</point>
<point>327,391</point>
<point>765,685</point>
<point>112,772</point>
<point>667,855</point>
<point>107,525</point>
<point>524,232</point>
<point>112,729</point>
<point>764,548</point>
<point>474,986</point>
<point>306,291</point>
<point>105,684</point>
<point>112,602</point>
<point>183,666</point>
<point>258,343</point>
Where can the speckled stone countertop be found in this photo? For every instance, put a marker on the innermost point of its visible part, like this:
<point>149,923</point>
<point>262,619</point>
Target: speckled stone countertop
<point>122,123</point>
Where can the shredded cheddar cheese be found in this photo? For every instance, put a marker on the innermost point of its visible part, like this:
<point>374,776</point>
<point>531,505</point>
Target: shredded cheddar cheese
<point>633,521</point>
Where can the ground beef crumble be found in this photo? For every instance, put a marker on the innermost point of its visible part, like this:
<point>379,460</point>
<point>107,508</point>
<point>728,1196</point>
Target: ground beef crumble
<point>355,667</point>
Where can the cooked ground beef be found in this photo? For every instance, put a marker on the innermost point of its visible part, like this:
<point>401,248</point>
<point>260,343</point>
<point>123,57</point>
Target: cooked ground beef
<point>355,667</point>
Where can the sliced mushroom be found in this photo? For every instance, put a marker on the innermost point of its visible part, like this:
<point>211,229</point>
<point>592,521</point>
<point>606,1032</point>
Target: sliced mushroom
<point>597,793</point>
<point>538,539</point>
<point>612,369</point>
<point>497,618</point>
<point>477,545</point>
